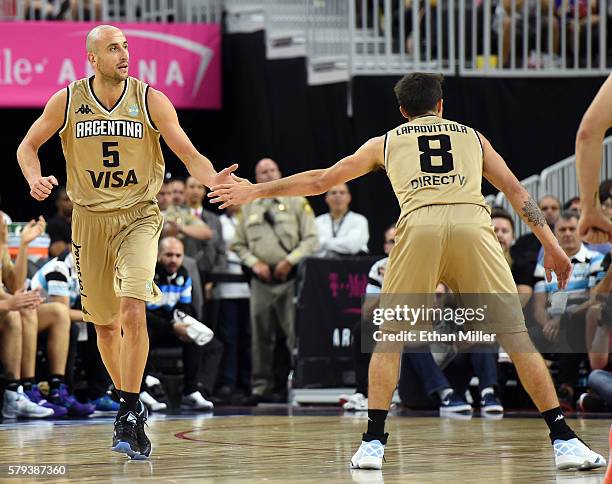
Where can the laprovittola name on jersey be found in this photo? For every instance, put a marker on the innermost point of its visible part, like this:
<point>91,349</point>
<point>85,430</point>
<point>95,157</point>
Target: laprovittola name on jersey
<point>431,160</point>
<point>432,128</point>
<point>109,127</point>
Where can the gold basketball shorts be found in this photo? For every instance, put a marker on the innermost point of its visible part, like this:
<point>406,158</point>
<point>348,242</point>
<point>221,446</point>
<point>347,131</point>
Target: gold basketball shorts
<point>455,245</point>
<point>115,254</point>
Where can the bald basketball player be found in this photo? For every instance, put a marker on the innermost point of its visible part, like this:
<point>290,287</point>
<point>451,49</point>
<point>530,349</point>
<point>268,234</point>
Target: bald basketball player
<point>444,234</point>
<point>594,226</point>
<point>110,125</point>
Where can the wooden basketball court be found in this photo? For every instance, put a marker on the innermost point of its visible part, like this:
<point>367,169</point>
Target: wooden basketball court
<point>305,446</point>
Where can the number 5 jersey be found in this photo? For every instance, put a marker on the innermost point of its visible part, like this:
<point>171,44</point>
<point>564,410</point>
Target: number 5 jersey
<point>113,157</point>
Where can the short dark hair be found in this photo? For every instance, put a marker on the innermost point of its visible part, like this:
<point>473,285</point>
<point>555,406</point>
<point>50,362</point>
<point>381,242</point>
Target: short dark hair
<point>498,212</point>
<point>568,204</point>
<point>569,214</point>
<point>605,190</point>
<point>418,93</point>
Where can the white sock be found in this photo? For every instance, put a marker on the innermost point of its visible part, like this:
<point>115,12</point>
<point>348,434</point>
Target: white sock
<point>486,391</point>
<point>445,392</point>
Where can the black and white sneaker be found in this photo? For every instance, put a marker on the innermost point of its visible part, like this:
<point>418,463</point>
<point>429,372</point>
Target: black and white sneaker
<point>125,439</point>
<point>144,444</point>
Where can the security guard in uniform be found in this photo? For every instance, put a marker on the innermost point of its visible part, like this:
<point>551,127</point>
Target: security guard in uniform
<point>272,237</point>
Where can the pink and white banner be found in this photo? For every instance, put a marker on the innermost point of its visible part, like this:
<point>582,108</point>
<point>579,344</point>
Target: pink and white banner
<point>39,58</point>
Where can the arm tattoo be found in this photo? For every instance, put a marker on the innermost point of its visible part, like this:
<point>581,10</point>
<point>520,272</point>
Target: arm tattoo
<point>533,214</point>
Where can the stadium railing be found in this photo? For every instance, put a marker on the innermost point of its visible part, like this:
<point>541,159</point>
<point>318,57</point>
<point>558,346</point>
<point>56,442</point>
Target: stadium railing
<point>386,37</point>
<point>206,11</point>
<point>534,39</point>
<point>472,37</point>
<point>559,180</point>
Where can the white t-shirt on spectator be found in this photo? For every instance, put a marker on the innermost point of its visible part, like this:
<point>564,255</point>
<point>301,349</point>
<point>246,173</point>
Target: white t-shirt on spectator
<point>347,236</point>
<point>231,290</point>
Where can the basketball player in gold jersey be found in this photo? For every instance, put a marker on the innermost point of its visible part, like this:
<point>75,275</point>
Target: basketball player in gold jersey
<point>110,126</point>
<point>444,234</point>
<point>594,226</point>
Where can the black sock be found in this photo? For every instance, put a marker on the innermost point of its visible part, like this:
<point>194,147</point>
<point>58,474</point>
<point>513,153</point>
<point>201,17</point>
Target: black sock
<point>27,384</point>
<point>127,403</point>
<point>558,426</point>
<point>376,423</point>
<point>115,394</point>
<point>55,381</point>
<point>12,385</point>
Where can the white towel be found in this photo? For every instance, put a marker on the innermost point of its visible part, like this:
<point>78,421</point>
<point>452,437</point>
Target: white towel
<point>199,333</point>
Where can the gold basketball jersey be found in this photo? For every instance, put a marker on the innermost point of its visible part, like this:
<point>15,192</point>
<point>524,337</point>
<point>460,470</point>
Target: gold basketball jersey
<point>113,156</point>
<point>434,161</point>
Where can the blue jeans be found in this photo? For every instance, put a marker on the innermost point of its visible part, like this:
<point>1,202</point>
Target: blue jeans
<point>420,379</point>
<point>465,365</point>
<point>600,381</point>
<point>234,331</point>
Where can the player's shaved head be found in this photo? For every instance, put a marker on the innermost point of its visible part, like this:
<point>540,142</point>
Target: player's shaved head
<point>95,34</point>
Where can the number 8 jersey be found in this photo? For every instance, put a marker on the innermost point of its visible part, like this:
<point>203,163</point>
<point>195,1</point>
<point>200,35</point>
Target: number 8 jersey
<point>113,157</point>
<point>433,161</point>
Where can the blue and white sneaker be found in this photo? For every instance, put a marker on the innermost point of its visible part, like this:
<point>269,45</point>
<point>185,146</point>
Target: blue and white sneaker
<point>370,455</point>
<point>453,403</point>
<point>491,404</point>
<point>574,454</point>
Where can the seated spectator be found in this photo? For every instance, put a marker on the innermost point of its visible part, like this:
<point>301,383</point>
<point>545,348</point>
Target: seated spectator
<point>598,323</point>
<point>503,225</point>
<point>58,284</point>
<point>553,307</point>
<point>572,204</point>
<point>200,362</point>
<point>427,382</point>
<point>59,226</point>
<point>577,31</point>
<point>605,199</point>
<point>12,309</point>
<point>234,328</point>
<point>359,400</point>
<point>526,249</point>
<point>503,26</point>
<point>341,231</point>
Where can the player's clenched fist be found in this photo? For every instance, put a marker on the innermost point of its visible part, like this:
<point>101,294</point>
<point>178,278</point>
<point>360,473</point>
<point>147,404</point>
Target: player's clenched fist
<point>42,186</point>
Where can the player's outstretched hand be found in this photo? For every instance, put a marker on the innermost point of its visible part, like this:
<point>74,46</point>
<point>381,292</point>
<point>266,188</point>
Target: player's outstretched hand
<point>32,230</point>
<point>41,187</point>
<point>239,192</point>
<point>594,227</point>
<point>225,175</point>
<point>555,260</point>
